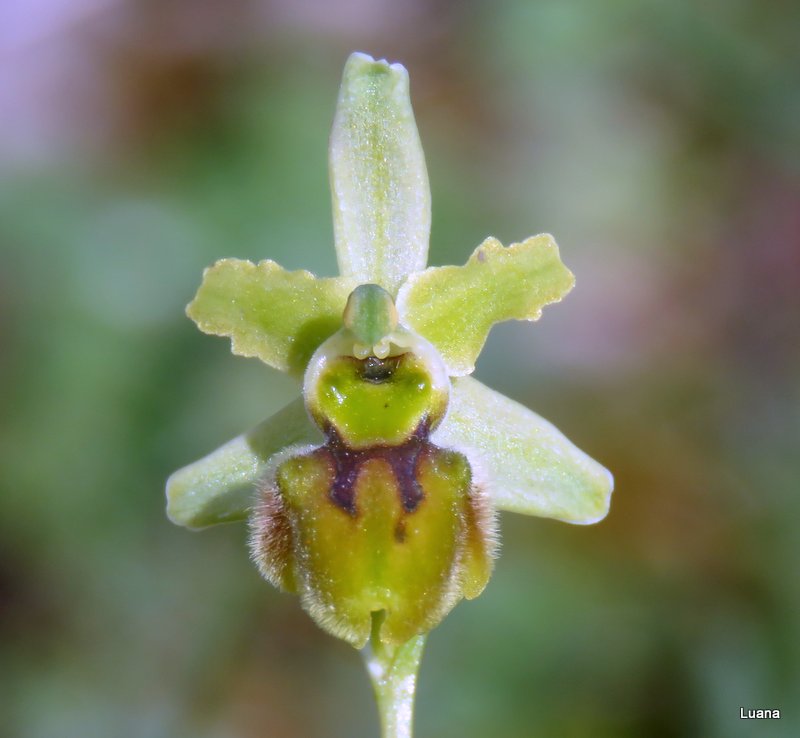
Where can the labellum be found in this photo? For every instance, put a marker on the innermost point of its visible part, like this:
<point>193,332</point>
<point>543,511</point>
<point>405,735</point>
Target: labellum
<point>377,519</point>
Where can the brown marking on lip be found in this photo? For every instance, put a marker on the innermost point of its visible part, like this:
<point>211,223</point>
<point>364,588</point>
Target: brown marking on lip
<point>403,460</point>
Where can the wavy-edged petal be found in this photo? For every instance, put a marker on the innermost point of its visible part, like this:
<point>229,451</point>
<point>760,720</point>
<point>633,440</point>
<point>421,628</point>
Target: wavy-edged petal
<point>454,307</point>
<point>379,182</point>
<point>532,468</point>
<point>219,487</point>
<point>278,316</point>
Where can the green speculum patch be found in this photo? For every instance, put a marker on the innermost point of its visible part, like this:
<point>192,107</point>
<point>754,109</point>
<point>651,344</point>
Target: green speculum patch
<point>370,402</point>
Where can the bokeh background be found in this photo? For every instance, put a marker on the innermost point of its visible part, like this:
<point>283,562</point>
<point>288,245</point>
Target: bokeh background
<point>658,140</point>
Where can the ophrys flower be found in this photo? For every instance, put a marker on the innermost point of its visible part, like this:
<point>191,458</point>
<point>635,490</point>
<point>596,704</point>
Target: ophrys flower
<point>373,493</point>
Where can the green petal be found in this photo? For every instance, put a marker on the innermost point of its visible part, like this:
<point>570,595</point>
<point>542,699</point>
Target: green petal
<point>270,313</point>
<point>454,307</point>
<point>379,183</point>
<point>532,468</point>
<point>219,487</point>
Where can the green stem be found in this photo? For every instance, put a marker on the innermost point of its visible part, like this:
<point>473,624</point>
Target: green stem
<point>393,671</point>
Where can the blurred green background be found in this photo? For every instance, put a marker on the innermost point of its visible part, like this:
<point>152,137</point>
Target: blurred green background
<point>658,141</point>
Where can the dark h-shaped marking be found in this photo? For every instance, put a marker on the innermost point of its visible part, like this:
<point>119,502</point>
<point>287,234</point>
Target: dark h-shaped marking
<point>403,459</point>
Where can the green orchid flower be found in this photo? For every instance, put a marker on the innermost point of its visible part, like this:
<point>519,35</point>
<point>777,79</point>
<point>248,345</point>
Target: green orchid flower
<point>373,493</point>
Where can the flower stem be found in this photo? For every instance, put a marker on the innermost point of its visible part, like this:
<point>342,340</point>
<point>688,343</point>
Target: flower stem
<point>393,671</point>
